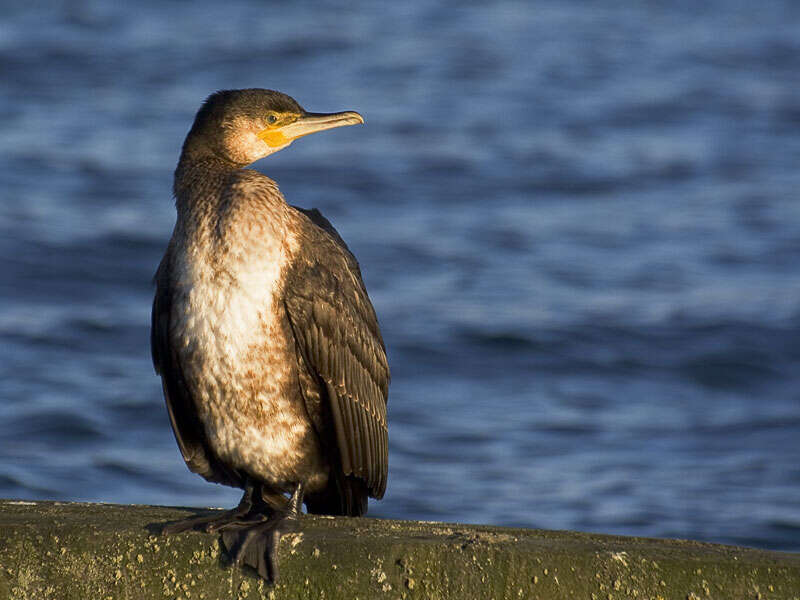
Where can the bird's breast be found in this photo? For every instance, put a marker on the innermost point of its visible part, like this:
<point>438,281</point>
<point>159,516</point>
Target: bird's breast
<point>239,359</point>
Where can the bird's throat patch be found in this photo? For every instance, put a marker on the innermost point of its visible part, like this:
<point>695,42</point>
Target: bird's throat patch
<point>273,138</point>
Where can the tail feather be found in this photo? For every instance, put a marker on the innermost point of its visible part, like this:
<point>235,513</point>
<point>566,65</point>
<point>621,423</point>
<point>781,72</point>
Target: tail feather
<point>345,495</point>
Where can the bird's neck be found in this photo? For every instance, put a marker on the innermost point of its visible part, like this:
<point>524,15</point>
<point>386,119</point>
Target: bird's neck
<point>198,173</point>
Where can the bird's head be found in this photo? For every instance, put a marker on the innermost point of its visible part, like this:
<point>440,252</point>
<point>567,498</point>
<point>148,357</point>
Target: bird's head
<point>243,126</point>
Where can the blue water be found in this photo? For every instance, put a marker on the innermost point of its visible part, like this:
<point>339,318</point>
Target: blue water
<point>579,226</point>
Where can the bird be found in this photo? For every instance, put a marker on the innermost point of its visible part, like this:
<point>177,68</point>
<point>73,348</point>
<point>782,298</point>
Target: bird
<point>271,359</point>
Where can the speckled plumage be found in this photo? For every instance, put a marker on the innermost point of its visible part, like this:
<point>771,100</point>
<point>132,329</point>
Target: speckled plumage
<point>228,268</point>
<point>272,364</point>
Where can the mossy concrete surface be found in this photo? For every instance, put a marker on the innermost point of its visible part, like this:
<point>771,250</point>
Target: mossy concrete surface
<point>65,551</point>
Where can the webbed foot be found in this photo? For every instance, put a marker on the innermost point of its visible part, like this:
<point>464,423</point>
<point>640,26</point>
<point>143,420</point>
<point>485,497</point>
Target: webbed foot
<point>256,544</point>
<point>250,509</point>
<point>252,531</point>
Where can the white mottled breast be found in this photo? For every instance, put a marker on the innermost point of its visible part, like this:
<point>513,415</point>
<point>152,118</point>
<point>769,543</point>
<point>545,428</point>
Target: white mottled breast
<point>230,328</point>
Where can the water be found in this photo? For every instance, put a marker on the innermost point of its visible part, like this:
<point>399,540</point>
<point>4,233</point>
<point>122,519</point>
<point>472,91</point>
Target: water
<point>579,227</point>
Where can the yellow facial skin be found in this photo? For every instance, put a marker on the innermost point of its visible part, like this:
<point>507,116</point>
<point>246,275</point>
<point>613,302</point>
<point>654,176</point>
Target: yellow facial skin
<point>273,135</point>
<point>290,126</point>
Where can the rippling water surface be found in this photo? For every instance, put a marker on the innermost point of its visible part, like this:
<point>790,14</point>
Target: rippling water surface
<point>579,226</point>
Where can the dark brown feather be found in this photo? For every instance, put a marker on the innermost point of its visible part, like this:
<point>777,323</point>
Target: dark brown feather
<point>337,334</point>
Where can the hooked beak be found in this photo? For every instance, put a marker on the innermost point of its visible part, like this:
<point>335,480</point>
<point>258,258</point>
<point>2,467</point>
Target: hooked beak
<point>308,123</point>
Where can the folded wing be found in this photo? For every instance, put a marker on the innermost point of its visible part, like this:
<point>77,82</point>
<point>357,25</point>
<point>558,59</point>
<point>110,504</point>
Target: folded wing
<point>337,334</point>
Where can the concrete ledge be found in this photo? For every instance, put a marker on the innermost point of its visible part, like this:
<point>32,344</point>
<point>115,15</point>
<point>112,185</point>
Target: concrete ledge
<point>64,551</point>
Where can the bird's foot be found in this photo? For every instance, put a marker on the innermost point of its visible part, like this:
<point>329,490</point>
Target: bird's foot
<point>255,544</point>
<point>249,510</point>
<point>251,531</point>
<point>213,523</point>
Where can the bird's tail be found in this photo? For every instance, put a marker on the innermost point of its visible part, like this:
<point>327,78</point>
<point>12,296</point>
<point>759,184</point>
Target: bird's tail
<point>345,495</point>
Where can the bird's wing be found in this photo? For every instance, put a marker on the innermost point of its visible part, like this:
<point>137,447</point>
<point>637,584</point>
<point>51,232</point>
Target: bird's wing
<point>189,432</point>
<point>337,334</point>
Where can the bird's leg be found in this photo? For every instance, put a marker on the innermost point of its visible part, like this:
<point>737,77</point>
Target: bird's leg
<point>256,544</point>
<point>296,502</point>
<point>250,507</point>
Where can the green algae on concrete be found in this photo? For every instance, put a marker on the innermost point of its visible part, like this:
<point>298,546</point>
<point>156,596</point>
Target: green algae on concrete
<point>66,551</point>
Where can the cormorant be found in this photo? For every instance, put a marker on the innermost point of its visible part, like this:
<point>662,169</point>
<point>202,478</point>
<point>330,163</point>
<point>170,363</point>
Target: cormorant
<point>272,364</point>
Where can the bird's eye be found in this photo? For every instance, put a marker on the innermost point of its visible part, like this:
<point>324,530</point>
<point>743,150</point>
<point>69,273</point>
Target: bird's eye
<point>272,119</point>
